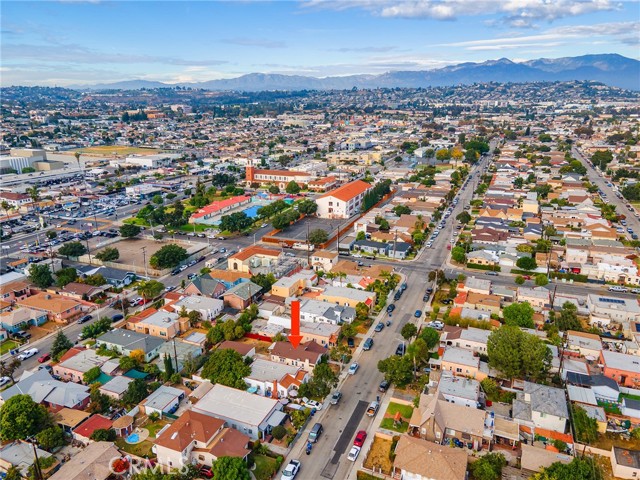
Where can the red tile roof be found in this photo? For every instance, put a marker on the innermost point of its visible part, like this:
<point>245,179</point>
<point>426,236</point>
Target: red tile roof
<point>92,424</point>
<point>219,205</point>
<point>348,191</point>
<point>249,252</point>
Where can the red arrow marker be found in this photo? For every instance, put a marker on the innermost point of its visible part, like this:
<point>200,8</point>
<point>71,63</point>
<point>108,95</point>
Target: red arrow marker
<point>294,336</point>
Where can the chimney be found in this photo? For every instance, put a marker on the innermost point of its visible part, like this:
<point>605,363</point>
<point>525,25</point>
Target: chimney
<point>274,391</point>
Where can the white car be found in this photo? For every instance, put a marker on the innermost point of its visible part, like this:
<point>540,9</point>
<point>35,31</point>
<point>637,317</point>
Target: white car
<point>291,470</point>
<point>4,381</point>
<point>28,354</point>
<point>353,368</point>
<point>353,453</point>
<point>312,404</point>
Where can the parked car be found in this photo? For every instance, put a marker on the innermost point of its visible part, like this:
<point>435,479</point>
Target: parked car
<point>4,381</point>
<point>426,297</point>
<point>353,453</point>
<point>373,408</point>
<point>335,398</point>
<point>353,368</point>
<point>361,436</point>
<point>368,343</point>
<point>44,358</point>
<point>291,470</point>
<point>384,386</point>
<point>206,471</point>
<point>22,335</point>
<point>84,319</point>
<point>400,349</point>
<point>617,288</point>
<point>28,354</point>
<point>311,403</point>
<point>379,327</point>
<point>117,317</point>
<point>350,342</point>
<point>417,313</point>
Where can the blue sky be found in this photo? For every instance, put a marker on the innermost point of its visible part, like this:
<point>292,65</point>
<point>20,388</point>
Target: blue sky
<point>74,42</point>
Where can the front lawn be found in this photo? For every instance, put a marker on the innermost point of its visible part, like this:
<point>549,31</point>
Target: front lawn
<point>389,424</point>
<point>7,345</point>
<point>265,467</point>
<point>405,410</point>
<point>155,427</point>
<point>198,228</point>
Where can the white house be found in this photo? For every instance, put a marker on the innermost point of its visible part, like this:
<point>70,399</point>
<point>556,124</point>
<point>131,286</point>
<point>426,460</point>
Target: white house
<point>344,201</point>
<point>541,406</point>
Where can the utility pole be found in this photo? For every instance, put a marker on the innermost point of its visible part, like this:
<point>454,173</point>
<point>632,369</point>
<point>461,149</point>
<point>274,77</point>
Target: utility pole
<point>308,250</point>
<point>88,249</point>
<point>144,259</point>
<point>175,354</point>
<point>36,466</point>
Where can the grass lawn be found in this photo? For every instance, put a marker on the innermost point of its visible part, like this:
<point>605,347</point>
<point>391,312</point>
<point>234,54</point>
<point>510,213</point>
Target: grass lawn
<point>265,467</point>
<point>378,456</point>
<point>629,396</point>
<point>389,424</point>
<point>136,221</point>
<point>6,346</point>
<point>154,427</point>
<point>405,410</point>
<point>360,475</point>
<point>198,227</point>
<point>141,449</point>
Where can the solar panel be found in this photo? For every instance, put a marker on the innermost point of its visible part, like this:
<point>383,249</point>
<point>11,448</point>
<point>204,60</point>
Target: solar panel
<point>611,300</point>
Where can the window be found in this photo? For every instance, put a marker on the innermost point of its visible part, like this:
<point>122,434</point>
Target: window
<point>458,370</point>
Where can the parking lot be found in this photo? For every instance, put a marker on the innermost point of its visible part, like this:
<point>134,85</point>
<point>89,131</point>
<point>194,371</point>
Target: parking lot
<point>298,231</point>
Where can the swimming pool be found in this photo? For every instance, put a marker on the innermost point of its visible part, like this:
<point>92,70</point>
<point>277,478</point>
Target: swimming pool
<point>133,438</point>
<point>252,211</point>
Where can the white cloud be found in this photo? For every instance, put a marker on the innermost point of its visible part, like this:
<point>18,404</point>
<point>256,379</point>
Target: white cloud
<point>518,13</point>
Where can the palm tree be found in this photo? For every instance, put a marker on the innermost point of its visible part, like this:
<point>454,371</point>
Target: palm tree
<point>6,206</point>
<point>150,289</point>
<point>34,193</point>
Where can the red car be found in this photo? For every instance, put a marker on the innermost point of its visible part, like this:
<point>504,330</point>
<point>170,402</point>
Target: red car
<point>361,436</point>
<point>44,358</point>
<point>527,277</point>
<point>206,472</point>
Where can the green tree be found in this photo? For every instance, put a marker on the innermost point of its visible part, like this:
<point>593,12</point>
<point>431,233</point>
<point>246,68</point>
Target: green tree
<point>65,276</point>
<point>127,363</point>
<point>226,367</point>
<point>320,385</point>
<point>568,319</point>
<point>136,392</point>
<point>109,254</point>
<point>362,311</point>
<point>292,188</point>
<point>230,468</point>
<point>408,331</point>
<point>129,230</point>
<point>519,280</point>
<point>519,314</point>
<point>150,289</point>
<point>401,210</point>
<point>51,437</point>
<point>318,237</point>
<point>8,368</point>
<point>516,353</point>
<point>583,468</point>
<point>266,281</point>
<point>279,432</point>
<point>60,345</point>
<point>458,255</point>
<point>13,473</point>
<point>526,263</point>
<point>103,435</point>
<point>348,330</point>
<point>307,206</point>
<point>72,249</point>
<point>51,234</point>
<point>443,154</point>
<point>430,336</point>
<point>397,369</point>
<point>21,417</point>
<point>464,217</point>
<point>96,280</point>
<point>96,329</point>
<point>91,375</point>
<point>274,190</point>
<point>99,403</point>
<point>488,467</point>
<point>541,279</point>
<point>157,199</point>
<point>168,366</point>
<point>169,256</point>
<point>40,275</point>
<point>586,427</point>
<point>361,236</point>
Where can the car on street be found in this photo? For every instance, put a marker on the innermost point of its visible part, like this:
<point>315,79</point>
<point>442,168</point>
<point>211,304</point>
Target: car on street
<point>426,297</point>
<point>379,327</point>
<point>117,317</point>
<point>84,319</point>
<point>291,470</point>
<point>635,290</point>
<point>169,288</point>
<point>44,358</point>
<point>417,313</point>
<point>137,301</point>
<point>400,349</point>
<point>353,368</point>
<point>493,274</point>
<point>384,386</point>
<point>353,453</point>
<point>4,381</point>
<point>617,288</point>
<point>28,354</point>
<point>368,343</point>
<point>390,308</point>
<point>361,436</point>
<point>335,398</point>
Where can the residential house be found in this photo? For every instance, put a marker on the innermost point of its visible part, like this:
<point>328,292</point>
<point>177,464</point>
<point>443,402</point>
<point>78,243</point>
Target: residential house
<point>206,286</point>
<point>160,323</point>
<point>625,463</point>
<point>587,344</point>
<point>76,362</point>
<point>417,459</point>
<point>15,290</point>
<point>484,303</point>
<point>163,400</point>
<point>604,388</point>
<point>68,418</point>
<point>19,319</point>
<point>483,257</point>
<point>371,247</point>
<point>347,296</point>
<point>541,406</point>
<point>20,455</point>
<point>537,297</point>
<point>324,334</point>
<point>274,379</point>
<point>476,285</point>
<point>245,349</point>
<point>58,308</point>
<point>324,260</point>
<point>621,367</point>
<point>473,339</point>
<point>617,309</point>
<point>116,387</point>
<point>306,355</point>
<point>462,363</point>
<point>229,278</point>
<point>126,341</point>
<point>257,417</point>
<point>294,285</point>
<point>52,393</point>
<point>344,201</point>
<point>534,459</point>
<point>242,295</point>
<point>82,433</point>
<point>215,210</point>
<point>460,391</point>
<point>82,291</point>
<point>198,438</point>
<point>181,349</point>
<point>114,276</point>
<point>253,259</point>
<point>316,311</point>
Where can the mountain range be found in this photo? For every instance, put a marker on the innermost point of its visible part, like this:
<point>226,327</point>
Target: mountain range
<point>610,69</point>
